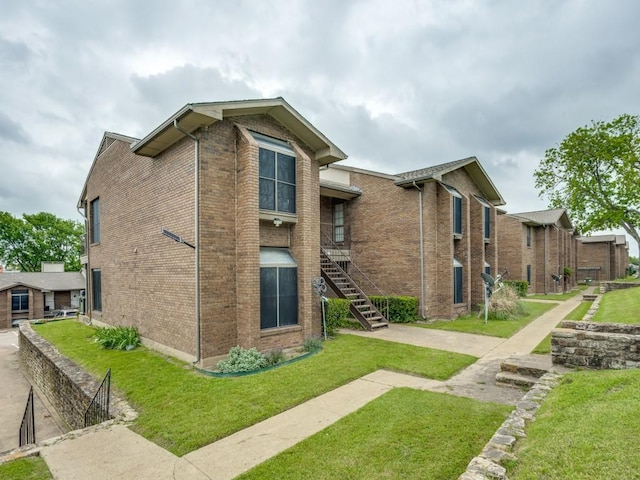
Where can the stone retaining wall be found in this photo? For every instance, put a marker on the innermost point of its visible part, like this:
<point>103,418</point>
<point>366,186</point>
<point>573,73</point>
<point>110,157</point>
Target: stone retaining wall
<point>68,387</point>
<point>608,286</point>
<point>596,345</point>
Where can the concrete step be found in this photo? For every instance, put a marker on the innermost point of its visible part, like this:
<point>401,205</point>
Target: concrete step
<point>527,365</point>
<point>515,380</point>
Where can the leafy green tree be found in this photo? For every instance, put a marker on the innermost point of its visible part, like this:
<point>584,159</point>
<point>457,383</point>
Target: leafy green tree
<point>595,174</point>
<point>42,237</point>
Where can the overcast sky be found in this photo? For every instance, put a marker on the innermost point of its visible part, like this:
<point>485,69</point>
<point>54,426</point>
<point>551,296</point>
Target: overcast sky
<point>397,85</point>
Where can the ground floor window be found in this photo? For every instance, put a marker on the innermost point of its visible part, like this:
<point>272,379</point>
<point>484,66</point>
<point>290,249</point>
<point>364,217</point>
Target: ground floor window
<point>278,288</point>
<point>457,282</point>
<point>487,268</point>
<point>96,289</point>
<point>19,301</point>
<point>529,274</point>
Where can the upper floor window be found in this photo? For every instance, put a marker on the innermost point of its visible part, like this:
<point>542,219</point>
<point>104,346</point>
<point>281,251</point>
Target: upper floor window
<point>338,222</point>
<point>95,221</point>
<point>528,235</point>
<point>486,220</point>
<point>457,209</point>
<point>277,171</point>
<point>19,300</point>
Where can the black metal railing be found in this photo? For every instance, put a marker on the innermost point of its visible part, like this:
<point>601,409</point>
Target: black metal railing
<point>28,425</point>
<point>98,410</point>
<point>335,235</point>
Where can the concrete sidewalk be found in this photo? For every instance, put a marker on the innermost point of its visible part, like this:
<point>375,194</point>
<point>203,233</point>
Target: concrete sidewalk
<point>116,452</point>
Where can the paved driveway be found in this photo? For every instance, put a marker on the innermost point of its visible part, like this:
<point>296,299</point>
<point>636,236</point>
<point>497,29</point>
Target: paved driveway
<point>14,390</point>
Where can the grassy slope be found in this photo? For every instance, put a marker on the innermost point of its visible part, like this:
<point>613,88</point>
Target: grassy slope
<point>182,410</point>
<point>619,306</point>
<point>30,468</point>
<point>403,434</point>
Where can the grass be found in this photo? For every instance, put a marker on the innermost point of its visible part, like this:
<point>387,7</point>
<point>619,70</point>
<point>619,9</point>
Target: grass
<point>560,297</point>
<point>181,410</point>
<point>28,468</point>
<point>588,427</point>
<point>576,314</point>
<point>619,306</point>
<point>403,434</point>
<point>495,328</point>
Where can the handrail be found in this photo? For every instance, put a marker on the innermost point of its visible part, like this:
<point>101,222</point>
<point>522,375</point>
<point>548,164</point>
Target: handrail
<point>28,426</point>
<point>343,254</point>
<point>98,409</point>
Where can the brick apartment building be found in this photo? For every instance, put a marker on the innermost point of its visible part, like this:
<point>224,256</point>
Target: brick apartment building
<point>602,257</point>
<point>536,247</point>
<point>428,233</point>
<point>205,233</point>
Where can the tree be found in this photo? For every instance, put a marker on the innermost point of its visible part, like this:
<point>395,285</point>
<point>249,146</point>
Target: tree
<point>595,174</point>
<point>42,237</point>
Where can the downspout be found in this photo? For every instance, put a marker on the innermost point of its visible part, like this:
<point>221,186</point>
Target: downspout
<point>422,295</point>
<point>197,231</point>
<point>87,311</point>
<point>546,247</point>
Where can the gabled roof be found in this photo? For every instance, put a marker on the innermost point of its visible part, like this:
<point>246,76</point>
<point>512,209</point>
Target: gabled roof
<point>195,115</point>
<point>46,281</point>
<point>436,172</point>
<point>556,216</point>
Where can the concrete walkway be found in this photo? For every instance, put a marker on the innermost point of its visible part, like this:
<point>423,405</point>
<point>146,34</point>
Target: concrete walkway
<point>116,452</point>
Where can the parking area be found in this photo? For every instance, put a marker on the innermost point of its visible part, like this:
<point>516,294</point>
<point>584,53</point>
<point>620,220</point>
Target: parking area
<point>14,390</point>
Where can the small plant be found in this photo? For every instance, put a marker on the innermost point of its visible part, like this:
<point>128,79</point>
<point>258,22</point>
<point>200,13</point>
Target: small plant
<point>274,357</point>
<point>118,338</point>
<point>242,360</point>
<point>312,343</point>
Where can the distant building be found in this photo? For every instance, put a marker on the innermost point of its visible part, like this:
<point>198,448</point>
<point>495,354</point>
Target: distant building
<point>603,257</point>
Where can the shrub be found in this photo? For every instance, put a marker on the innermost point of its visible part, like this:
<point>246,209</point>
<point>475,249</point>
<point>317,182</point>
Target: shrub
<point>521,286</point>
<point>242,360</point>
<point>336,311</point>
<point>401,309</point>
<point>274,357</point>
<point>117,338</point>
<point>312,343</point>
<point>505,304</point>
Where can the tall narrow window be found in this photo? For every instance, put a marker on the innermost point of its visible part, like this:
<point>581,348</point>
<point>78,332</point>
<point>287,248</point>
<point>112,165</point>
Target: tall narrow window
<point>457,282</point>
<point>487,223</point>
<point>19,301</point>
<point>529,274</point>
<point>338,222</point>
<point>95,221</point>
<point>457,209</point>
<point>487,268</point>
<point>277,175</point>
<point>528,235</point>
<point>278,288</point>
<point>96,289</point>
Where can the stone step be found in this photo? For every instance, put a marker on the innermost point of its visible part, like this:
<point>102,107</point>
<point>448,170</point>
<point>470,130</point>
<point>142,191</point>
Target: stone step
<point>527,366</point>
<point>515,380</point>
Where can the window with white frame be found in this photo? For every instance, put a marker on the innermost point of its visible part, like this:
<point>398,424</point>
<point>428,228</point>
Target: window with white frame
<point>19,301</point>
<point>338,222</point>
<point>278,288</point>
<point>277,175</point>
<point>457,282</point>
<point>457,208</point>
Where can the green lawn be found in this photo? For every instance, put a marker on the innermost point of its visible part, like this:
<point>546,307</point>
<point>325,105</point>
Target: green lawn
<point>403,434</point>
<point>576,314</point>
<point>559,297</point>
<point>182,410</point>
<point>587,428</point>
<point>29,468</point>
<point>495,328</point>
<point>619,306</point>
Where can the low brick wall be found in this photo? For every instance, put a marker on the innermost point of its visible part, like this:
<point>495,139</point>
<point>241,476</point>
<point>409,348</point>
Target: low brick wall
<point>608,286</point>
<point>68,387</point>
<point>596,345</point>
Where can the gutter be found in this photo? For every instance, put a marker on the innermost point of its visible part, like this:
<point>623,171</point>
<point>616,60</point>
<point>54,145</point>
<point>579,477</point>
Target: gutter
<point>422,295</point>
<point>197,233</point>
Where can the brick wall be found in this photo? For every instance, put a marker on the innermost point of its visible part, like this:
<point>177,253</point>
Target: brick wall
<point>596,345</point>
<point>68,387</point>
<point>594,255</point>
<point>5,309</point>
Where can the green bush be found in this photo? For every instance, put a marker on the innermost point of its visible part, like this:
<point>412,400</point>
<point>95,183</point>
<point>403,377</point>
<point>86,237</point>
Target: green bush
<point>520,286</point>
<point>242,360</point>
<point>401,309</point>
<point>312,343</point>
<point>117,338</point>
<point>336,311</point>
